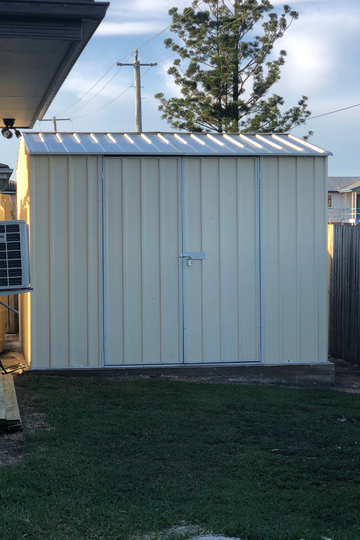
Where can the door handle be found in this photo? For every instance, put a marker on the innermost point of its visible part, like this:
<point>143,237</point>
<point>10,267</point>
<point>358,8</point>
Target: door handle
<point>193,255</point>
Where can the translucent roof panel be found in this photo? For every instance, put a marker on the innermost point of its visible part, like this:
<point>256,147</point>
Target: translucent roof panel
<point>172,144</point>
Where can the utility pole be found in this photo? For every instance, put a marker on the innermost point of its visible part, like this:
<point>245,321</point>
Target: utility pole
<point>137,77</point>
<point>54,120</point>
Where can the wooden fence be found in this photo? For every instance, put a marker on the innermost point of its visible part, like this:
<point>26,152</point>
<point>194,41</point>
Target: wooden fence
<point>344,292</point>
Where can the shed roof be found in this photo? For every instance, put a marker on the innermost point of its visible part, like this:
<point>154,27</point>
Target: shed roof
<point>191,144</point>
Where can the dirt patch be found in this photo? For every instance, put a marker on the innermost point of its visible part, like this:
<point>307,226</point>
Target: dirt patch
<point>347,376</point>
<point>11,448</point>
<point>32,417</point>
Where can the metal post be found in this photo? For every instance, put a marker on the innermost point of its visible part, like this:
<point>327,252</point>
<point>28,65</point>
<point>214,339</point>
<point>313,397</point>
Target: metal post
<point>54,120</point>
<point>138,116</point>
<point>137,65</point>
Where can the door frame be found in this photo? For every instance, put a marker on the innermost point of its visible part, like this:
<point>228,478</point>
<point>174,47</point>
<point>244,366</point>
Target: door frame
<point>102,259</point>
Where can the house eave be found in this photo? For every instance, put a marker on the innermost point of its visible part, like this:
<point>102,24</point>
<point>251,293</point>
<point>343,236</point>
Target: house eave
<point>28,89</point>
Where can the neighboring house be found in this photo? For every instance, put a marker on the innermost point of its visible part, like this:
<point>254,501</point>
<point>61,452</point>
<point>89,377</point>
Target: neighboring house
<point>8,192</point>
<point>343,200</point>
<point>8,200</point>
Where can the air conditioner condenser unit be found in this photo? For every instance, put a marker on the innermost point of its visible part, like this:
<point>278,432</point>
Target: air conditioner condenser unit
<point>14,255</point>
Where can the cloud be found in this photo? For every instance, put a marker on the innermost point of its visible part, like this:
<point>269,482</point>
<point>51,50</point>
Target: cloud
<point>79,82</point>
<point>308,61</point>
<point>172,89</point>
<point>129,28</point>
<point>297,4</point>
<point>316,45</point>
<point>117,7</point>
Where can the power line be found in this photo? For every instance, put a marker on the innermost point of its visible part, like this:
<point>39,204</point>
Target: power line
<point>166,58</point>
<point>168,26</point>
<point>93,86</point>
<point>82,97</point>
<point>142,76</point>
<point>92,112</point>
<point>186,12</point>
<point>332,112</point>
<point>127,58</point>
<point>109,102</point>
<point>97,93</point>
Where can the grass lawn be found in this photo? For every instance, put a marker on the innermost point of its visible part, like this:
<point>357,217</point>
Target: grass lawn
<point>121,458</point>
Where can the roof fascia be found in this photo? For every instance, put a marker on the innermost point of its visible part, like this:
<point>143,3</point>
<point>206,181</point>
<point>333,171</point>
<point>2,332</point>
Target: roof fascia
<point>351,187</point>
<point>63,10</point>
<point>88,29</point>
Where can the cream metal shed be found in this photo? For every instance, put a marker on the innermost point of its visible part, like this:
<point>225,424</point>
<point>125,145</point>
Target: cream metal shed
<point>174,249</point>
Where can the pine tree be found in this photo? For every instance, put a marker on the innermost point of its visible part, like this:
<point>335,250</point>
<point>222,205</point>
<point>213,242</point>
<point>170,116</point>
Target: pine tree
<point>224,70</point>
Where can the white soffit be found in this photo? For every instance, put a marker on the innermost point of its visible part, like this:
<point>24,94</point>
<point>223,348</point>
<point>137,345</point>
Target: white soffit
<point>171,144</point>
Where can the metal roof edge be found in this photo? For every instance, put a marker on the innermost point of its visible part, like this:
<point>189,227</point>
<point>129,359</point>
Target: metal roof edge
<point>180,143</point>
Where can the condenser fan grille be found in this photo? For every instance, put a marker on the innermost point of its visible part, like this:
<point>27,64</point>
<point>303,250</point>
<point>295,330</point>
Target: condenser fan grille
<point>11,270</point>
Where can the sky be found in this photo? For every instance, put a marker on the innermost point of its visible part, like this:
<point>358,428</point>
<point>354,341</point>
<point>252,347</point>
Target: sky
<point>322,62</point>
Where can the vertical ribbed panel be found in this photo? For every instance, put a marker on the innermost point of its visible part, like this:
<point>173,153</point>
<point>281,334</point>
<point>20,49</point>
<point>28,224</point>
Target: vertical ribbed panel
<point>294,260</point>
<point>142,281</point>
<point>65,261</point>
<point>23,211</point>
<point>221,291</point>
<point>321,175</point>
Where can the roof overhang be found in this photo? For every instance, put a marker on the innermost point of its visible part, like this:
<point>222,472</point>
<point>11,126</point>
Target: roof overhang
<point>40,42</point>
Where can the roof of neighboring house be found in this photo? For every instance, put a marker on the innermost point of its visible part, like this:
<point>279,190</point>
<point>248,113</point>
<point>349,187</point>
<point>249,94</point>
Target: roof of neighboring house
<point>201,144</point>
<point>339,183</point>
<point>10,187</point>
<point>5,169</point>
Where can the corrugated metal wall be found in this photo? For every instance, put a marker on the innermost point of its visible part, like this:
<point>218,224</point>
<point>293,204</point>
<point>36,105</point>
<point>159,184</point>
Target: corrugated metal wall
<point>142,265</point>
<point>65,269</point>
<point>221,291</point>
<point>294,259</point>
<point>142,231</point>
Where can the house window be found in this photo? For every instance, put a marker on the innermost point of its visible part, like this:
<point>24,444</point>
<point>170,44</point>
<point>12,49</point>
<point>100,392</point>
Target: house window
<point>329,201</point>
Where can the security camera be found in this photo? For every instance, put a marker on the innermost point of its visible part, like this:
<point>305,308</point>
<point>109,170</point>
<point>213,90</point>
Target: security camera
<point>6,131</point>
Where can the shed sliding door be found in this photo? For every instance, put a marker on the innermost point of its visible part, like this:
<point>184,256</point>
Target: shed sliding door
<point>158,309</point>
